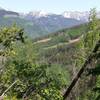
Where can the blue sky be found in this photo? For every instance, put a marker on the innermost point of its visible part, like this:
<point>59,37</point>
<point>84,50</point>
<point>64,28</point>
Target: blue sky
<point>54,6</point>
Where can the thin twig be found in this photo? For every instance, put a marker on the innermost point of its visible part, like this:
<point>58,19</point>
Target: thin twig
<point>9,88</point>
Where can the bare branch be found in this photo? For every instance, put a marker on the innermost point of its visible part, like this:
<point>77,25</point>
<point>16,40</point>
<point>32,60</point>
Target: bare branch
<point>87,61</point>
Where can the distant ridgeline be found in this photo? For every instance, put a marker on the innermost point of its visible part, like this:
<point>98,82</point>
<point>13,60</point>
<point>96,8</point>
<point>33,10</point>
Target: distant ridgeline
<point>36,25</point>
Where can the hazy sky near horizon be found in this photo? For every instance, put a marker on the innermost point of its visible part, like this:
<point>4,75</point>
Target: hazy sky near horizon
<point>54,6</point>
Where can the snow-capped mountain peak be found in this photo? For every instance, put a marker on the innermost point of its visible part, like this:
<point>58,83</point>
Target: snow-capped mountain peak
<point>38,14</point>
<point>76,15</point>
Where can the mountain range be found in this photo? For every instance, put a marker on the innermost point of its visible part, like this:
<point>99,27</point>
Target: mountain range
<point>39,23</point>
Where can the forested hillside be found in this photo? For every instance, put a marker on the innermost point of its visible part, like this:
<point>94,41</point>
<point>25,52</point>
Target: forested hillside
<point>61,66</point>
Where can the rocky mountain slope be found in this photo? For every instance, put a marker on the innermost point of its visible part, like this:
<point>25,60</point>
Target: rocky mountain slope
<point>39,23</point>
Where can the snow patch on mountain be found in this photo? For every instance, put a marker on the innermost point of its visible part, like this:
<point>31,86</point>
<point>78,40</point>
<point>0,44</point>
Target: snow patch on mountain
<point>83,16</point>
<point>38,14</point>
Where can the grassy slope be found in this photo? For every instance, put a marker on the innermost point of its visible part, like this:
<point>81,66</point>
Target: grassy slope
<point>60,37</point>
<point>59,47</point>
